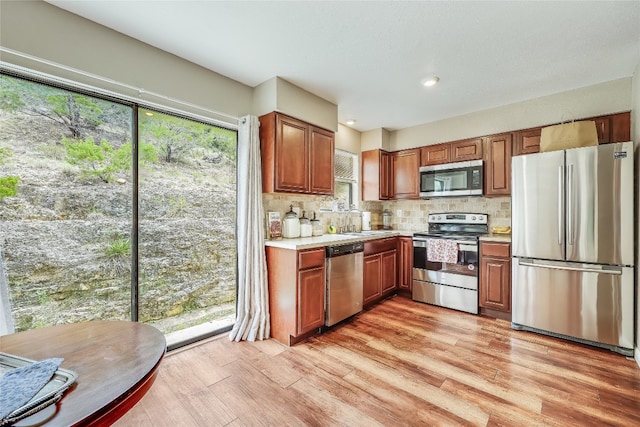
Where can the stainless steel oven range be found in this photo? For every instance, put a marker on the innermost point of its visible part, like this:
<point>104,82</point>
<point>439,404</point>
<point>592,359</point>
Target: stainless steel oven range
<point>445,261</point>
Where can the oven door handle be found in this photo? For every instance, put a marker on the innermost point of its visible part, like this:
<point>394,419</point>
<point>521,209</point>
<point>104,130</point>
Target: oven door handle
<point>462,245</point>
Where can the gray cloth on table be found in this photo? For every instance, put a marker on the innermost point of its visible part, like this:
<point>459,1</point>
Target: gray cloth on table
<point>18,386</point>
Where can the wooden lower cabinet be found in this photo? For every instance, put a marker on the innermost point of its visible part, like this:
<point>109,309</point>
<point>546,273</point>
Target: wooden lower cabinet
<point>371,279</point>
<point>380,269</point>
<point>405,261</point>
<point>310,303</point>
<point>495,279</point>
<point>389,272</point>
<point>297,282</point>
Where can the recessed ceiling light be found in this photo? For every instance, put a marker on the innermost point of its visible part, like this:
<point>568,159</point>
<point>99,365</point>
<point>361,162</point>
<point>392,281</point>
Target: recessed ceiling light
<point>351,122</point>
<point>430,81</point>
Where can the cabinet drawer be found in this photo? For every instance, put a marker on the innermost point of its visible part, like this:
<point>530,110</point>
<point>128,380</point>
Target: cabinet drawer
<point>311,258</point>
<point>500,250</point>
<point>380,245</point>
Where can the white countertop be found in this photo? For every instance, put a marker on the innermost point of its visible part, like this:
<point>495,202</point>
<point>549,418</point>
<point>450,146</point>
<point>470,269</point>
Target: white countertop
<point>336,239</point>
<point>333,239</point>
<point>493,237</point>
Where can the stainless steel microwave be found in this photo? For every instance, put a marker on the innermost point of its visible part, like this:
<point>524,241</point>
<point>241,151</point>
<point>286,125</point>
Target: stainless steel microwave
<point>452,179</point>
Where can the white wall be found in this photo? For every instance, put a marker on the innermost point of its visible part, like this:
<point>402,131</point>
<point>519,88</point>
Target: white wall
<point>44,31</point>
<point>376,139</point>
<point>348,139</point>
<point>604,98</point>
<point>277,94</point>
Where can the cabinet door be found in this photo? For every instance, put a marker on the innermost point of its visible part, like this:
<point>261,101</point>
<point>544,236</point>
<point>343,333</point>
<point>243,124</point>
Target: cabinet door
<point>603,127</point>
<point>498,165</point>
<point>311,290</point>
<point>495,284</point>
<point>621,127</point>
<point>405,270</point>
<point>405,174</point>
<point>321,151</point>
<point>389,274</point>
<point>372,284</point>
<point>375,175</point>
<point>469,149</point>
<point>435,154</point>
<point>291,155</point>
<point>527,142</point>
<point>385,188</point>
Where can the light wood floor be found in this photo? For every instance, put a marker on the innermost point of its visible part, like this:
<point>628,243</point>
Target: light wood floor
<point>401,363</point>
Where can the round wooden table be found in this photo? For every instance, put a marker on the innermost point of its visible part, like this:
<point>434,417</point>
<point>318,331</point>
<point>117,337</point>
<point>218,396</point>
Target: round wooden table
<point>116,363</point>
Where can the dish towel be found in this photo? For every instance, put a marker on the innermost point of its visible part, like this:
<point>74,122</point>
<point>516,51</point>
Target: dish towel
<point>18,386</point>
<point>442,250</point>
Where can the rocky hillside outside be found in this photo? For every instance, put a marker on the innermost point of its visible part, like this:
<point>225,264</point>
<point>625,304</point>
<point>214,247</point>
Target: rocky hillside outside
<point>66,188</point>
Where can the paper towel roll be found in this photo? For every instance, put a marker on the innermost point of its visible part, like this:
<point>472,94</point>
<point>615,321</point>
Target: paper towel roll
<point>366,220</point>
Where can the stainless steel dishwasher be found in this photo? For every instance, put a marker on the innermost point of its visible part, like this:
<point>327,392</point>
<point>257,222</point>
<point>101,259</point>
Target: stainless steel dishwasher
<point>344,281</point>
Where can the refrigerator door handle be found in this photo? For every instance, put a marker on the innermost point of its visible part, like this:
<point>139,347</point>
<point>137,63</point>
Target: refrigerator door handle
<point>560,204</point>
<point>601,270</point>
<point>570,205</point>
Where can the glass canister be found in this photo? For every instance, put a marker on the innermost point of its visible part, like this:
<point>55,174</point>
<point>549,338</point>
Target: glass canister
<point>290,225</point>
<point>316,226</point>
<point>306,230</point>
<point>386,219</point>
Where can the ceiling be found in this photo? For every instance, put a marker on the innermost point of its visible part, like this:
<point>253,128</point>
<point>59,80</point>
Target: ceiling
<point>369,57</point>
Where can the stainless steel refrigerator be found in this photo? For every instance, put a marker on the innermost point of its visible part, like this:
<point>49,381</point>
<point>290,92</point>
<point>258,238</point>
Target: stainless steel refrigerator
<point>573,244</point>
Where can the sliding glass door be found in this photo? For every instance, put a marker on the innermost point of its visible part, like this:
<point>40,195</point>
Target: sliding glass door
<point>73,249</point>
<point>187,199</point>
<point>65,205</point>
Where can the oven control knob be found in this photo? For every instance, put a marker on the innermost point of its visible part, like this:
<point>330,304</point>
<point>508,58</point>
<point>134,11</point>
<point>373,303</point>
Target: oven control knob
<point>439,217</point>
<point>473,218</point>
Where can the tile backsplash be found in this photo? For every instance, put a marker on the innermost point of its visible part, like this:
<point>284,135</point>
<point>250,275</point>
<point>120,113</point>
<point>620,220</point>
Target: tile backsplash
<point>413,212</point>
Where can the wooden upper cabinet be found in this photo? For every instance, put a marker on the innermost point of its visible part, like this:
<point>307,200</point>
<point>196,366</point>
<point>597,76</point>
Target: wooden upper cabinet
<point>468,149</point>
<point>296,156</point>
<point>292,155</point>
<point>405,167</point>
<point>435,154</point>
<point>611,128</point>
<point>527,141</point>
<point>497,176</point>
<point>603,129</point>
<point>385,188</point>
<point>621,127</point>
<point>448,152</point>
<point>376,173</point>
<point>321,153</point>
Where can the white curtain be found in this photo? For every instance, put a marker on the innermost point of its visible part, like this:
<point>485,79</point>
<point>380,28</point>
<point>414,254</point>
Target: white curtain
<point>252,318</point>
<point>6,319</point>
